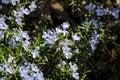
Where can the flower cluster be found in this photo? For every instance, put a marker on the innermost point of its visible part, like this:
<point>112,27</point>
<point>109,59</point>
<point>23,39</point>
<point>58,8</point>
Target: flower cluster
<point>18,15</point>
<point>28,57</point>
<point>30,72</point>
<point>94,40</point>
<point>100,11</point>
<point>10,1</point>
<point>20,36</point>
<point>7,68</point>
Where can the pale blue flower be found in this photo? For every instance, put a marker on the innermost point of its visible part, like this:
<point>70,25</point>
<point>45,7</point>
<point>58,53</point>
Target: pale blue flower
<point>3,25</point>
<point>63,63</point>
<point>32,6</point>
<point>107,11</point>
<point>65,25</point>
<point>1,34</point>
<point>39,76</point>
<point>24,34</point>
<point>95,34</point>
<point>1,68</point>
<point>3,78</point>
<point>26,11</point>
<point>18,20</point>
<point>90,7</point>
<point>86,21</point>
<point>95,23</point>
<point>12,42</point>
<point>20,12</point>
<point>73,66</point>
<point>35,52</point>
<point>1,6</point>
<point>9,69</point>
<point>66,51</point>
<point>93,43</point>
<point>23,11</point>
<point>30,72</point>
<point>75,75</point>
<point>58,30</point>
<point>6,1</point>
<point>99,12</point>
<point>115,13</point>
<point>13,2</point>
<point>94,40</point>
<point>10,59</point>
<point>75,37</point>
<point>26,45</point>
<point>50,37</point>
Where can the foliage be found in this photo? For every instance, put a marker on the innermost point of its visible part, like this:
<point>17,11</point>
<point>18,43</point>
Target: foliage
<point>59,40</point>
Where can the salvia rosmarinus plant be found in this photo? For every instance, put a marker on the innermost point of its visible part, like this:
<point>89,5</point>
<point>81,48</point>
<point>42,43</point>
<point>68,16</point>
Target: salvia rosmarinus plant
<point>58,53</point>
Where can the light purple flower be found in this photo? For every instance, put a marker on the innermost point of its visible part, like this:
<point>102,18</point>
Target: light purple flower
<point>32,6</point>
<point>65,25</point>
